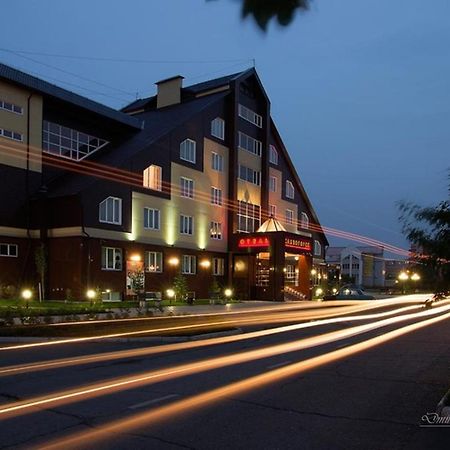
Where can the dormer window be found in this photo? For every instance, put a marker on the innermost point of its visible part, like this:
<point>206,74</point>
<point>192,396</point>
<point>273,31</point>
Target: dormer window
<point>304,220</point>
<point>218,128</point>
<point>317,248</point>
<point>187,150</point>
<point>289,189</point>
<point>152,177</point>
<point>110,211</point>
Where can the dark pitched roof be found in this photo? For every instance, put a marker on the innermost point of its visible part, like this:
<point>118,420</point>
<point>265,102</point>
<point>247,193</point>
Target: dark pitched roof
<point>45,88</point>
<point>157,124</point>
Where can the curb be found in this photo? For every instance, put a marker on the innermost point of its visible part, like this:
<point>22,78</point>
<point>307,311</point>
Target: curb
<point>443,407</point>
<point>157,339</point>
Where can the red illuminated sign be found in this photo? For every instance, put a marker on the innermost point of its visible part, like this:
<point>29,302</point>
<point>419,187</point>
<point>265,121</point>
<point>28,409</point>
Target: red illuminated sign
<point>254,242</point>
<point>298,244</point>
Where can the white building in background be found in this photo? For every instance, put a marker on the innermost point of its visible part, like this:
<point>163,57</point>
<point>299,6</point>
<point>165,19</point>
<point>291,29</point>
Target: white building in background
<point>364,265</point>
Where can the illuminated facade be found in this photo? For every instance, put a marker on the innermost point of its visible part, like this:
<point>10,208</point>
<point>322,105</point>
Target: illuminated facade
<point>177,182</point>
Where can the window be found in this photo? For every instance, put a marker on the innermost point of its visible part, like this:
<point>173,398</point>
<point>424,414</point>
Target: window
<point>289,189</point>
<point>186,224</point>
<point>153,177</point>
<point>217,162</point>
<point>218,128</point>
<point>216,230</point>
<point>304,220</point>
<point>273,184</point>
<point>250,144</point>
<point>249,217</point>
<point>216,196</point>
<point>273,210</point>
<point>273,155</point>
<point>250,116</point>
<point>187,150</point>
<point>153,262</point>
<point>69,143</point>
<point>111,258</point>
<point>152,219</point>
<point>9,250</point>
<point>110,211</point>
<point>186,187</point>
<point>11,135</point>
<point>11,107</point>
<point>318,248</point>
<point>289,216</point>
<point>218,266</point>
<point>189,265</point>
<point>250,175</point>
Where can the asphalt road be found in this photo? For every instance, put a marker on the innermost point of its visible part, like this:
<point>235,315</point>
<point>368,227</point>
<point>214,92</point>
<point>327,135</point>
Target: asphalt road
<point>373,399</point>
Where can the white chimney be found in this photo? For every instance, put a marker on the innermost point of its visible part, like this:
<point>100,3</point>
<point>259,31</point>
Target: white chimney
<point>169,91</point>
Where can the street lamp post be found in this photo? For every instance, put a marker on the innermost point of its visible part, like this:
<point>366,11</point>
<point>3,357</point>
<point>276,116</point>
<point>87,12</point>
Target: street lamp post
<point>403,277</point>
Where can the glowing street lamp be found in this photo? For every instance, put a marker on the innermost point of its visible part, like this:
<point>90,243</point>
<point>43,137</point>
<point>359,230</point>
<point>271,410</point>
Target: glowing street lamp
<point>415,277</point>
<point>403,277</point>
<point>228,292</point>
<point>91,294</point>
<point>27,294</point>
<point>170,294</point>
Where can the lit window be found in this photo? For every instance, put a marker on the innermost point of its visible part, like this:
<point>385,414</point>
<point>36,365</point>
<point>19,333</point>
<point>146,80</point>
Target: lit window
<point>11,135</point>
<point>151,219</point>
<point>289,189</point>
<point>248,217</point>
<point>318,249</point>
<point>217,162</point>
<point>153,262</point>
<point>110,211</point>
<point>250,175</point>
<point>289,216</point>
<point>273,210</point>
<point>188,265</point>
<point>250,116</point>
<point>9,250</point>
<point>69,143</point>
<point>216,196</point>
<point>273,155</point>
<point>218,128</point>
<point>186,187</point>
<point>218,266</point>
<point>216,230</point>
<point>304,220</point>
<point>273,184</point>
<point>153,177</point>
<point>111,258</point>
<point>250,144</point>
<point>11,107</point>
<point>187,150</point>
<point>186,224</point>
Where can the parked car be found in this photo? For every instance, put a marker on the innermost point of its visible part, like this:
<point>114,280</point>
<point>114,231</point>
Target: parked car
<point>349,293</point>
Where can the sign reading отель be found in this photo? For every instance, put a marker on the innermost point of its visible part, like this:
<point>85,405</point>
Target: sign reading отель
<point>298,244</point>
<point>254,242</point>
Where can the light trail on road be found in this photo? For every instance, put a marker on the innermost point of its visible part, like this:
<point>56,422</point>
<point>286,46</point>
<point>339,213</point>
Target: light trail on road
<point>111,356</point>
<point>144,379</point>
<point>121,426</point>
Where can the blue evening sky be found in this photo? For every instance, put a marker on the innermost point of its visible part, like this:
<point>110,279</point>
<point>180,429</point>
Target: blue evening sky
<point>359,89</point>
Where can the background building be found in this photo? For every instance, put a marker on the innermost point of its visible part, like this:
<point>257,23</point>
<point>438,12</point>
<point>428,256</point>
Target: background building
<point>169,184</point>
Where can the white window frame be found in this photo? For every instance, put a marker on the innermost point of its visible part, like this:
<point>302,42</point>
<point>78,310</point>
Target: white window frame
<point>111,265</point>
<point>152,215</point>
<point>304,220</point>
<point>188,264</point>
<point>289,216</point>
<point>114,203</point>
<point>218,267</point>
<point>152,177</point>
<point>8,250</point>
<point>215,230</point>
<point>273,184</point>
<point>246,212</point>
<point>186,223</point>
<point>273,155</point>
<point>250,175</point>
<point>13,135</point>
<point>16,109</point>
<point>218,128</point>
<point>250,115</point>
<point>249,144</point>
<point>216,196</point>
<point>217,162</point>
<point>317,248</point>
<point>186,187</point>
<point>290,191</point>
<point>188,150</point>
<point>152,266</point>
<point>273,210</point>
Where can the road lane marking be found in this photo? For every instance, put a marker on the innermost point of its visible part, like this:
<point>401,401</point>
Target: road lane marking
<point>273,366</point>
<point>151,402</point>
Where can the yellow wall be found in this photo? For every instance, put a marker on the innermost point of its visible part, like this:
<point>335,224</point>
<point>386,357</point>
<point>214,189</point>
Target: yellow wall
<point>199,207</point>
<point>13,153</point>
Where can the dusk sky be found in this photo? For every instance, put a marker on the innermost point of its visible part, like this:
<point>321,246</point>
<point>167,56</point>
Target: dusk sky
<point>360,90</point>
